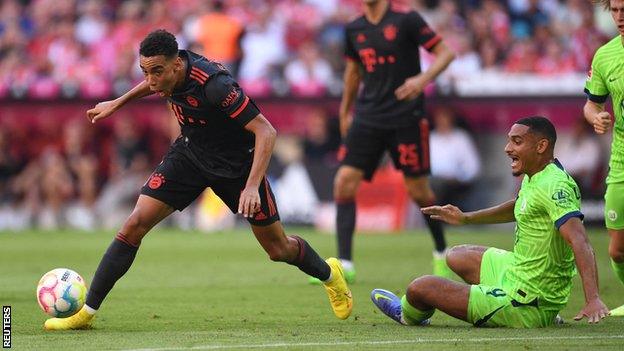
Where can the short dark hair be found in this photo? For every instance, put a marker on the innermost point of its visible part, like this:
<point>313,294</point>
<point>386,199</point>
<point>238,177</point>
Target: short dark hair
<point>542,126</point>
<point>159,42</point>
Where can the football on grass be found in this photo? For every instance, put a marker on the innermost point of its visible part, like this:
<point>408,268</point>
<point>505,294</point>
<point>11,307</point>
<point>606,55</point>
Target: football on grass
<point>61,292</point>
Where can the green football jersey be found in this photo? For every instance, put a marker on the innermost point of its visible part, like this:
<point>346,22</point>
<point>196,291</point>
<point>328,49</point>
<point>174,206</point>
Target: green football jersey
<point>607,78</point>
<point>543,264</point>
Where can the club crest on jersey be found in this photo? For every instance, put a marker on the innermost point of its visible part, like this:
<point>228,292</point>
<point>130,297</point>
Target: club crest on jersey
<point>390,32</point>
<point>155,181</point>
<point>360,38</point>
<point>562,197</point>
<point>192,101</point>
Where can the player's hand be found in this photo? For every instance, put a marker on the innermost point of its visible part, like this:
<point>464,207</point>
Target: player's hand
<point>602,122</point>
<point>102,110</point>
<point>411,88</point>
<point>447,213</point>
<point>594,310</point>
<point>249,202</point>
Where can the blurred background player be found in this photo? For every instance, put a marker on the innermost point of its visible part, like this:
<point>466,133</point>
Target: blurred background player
<point>382,53</point>
<point>606,78</point>
<point>225,144</point>
<point>453,173</point>
<point>525,288</point>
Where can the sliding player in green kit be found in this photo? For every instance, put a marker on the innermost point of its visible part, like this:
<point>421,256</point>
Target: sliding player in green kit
<point>607,78</point>
<point>524,288</point>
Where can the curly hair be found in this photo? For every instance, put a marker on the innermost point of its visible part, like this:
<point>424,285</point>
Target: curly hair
<point>159,42</point>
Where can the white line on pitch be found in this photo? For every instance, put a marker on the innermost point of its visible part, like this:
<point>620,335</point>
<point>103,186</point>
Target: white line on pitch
<point>383,342</point>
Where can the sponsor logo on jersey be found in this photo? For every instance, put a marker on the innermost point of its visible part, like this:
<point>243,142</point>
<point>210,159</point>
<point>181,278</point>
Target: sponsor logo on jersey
<point>192,101</point>
<point>231,97</point>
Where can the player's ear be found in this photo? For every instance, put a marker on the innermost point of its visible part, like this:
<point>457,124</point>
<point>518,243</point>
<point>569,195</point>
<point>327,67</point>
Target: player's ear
<point>178,64</point>
<point>542,145</point>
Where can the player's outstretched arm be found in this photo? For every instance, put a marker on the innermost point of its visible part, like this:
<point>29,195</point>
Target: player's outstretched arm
<point>249,202</point>
<point>596,115</point>
<point>107,108</point>
<point>450,214</point>
<point>352,78</point>
<point>573,232</point>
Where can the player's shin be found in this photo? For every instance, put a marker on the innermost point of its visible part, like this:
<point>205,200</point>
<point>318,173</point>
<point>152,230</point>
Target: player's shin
<point>618,268</point>
<point>413,316</point>
<point>309,262</point>
<point>114,264</point>
<point>345,226</point>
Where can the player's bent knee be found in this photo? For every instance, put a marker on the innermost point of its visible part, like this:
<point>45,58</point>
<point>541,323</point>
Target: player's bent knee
<point>134,228</point>
<point>346,182</point>
<point>422,196</point>
<point>345,188</point>
<point>454,257</point>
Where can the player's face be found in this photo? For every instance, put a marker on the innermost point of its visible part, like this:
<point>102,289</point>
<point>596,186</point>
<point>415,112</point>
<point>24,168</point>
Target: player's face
<point>617,13</point>
<point>521,148</point>
<point>160,73</point>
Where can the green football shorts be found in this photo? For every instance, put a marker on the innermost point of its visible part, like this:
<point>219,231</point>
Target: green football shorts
<point>614,206</point>
<point>489,305</point>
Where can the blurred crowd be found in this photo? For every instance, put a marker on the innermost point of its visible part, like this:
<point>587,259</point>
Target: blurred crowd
<point>88,48</point>
<point>62,172</point>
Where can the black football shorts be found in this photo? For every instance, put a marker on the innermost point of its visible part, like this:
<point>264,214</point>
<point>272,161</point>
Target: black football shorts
<point>408,146</point>
<point>177,181</point>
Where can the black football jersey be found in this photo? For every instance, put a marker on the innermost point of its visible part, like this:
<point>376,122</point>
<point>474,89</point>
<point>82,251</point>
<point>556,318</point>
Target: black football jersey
<point>388,54</point>
<point>212,111</point>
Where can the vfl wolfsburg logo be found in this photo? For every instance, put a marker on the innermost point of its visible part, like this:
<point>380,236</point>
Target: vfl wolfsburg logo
<point>612,215</point>
<point>561,197</point>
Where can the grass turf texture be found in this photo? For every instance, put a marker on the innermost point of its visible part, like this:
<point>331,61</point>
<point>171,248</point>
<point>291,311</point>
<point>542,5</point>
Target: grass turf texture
<point>194,291</point>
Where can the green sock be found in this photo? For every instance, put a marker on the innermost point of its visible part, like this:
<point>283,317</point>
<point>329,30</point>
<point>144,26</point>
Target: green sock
<point>411,314</point>
<point>618,268</point>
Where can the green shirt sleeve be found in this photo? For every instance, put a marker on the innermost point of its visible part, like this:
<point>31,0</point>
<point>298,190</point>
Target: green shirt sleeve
<point>562,201</point>
<point>595,85</point>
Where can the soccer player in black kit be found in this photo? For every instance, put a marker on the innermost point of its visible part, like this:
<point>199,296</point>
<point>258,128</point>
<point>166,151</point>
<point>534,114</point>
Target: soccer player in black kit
<point>225,144</point>
<point>382,53</point>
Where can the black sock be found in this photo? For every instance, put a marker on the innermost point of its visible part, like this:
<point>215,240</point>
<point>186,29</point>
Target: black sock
<point>345,226</point>
<point>115,263</point>
<point>437,232</point>
<point>309,262</point>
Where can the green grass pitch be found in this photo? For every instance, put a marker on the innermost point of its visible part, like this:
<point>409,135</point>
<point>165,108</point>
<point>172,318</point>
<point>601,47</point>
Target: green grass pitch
<point>195,291</point>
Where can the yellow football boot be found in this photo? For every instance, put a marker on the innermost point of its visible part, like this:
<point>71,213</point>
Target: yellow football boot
<point>339,294</point>
<point>617,312</point>
<point>81,320</point>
